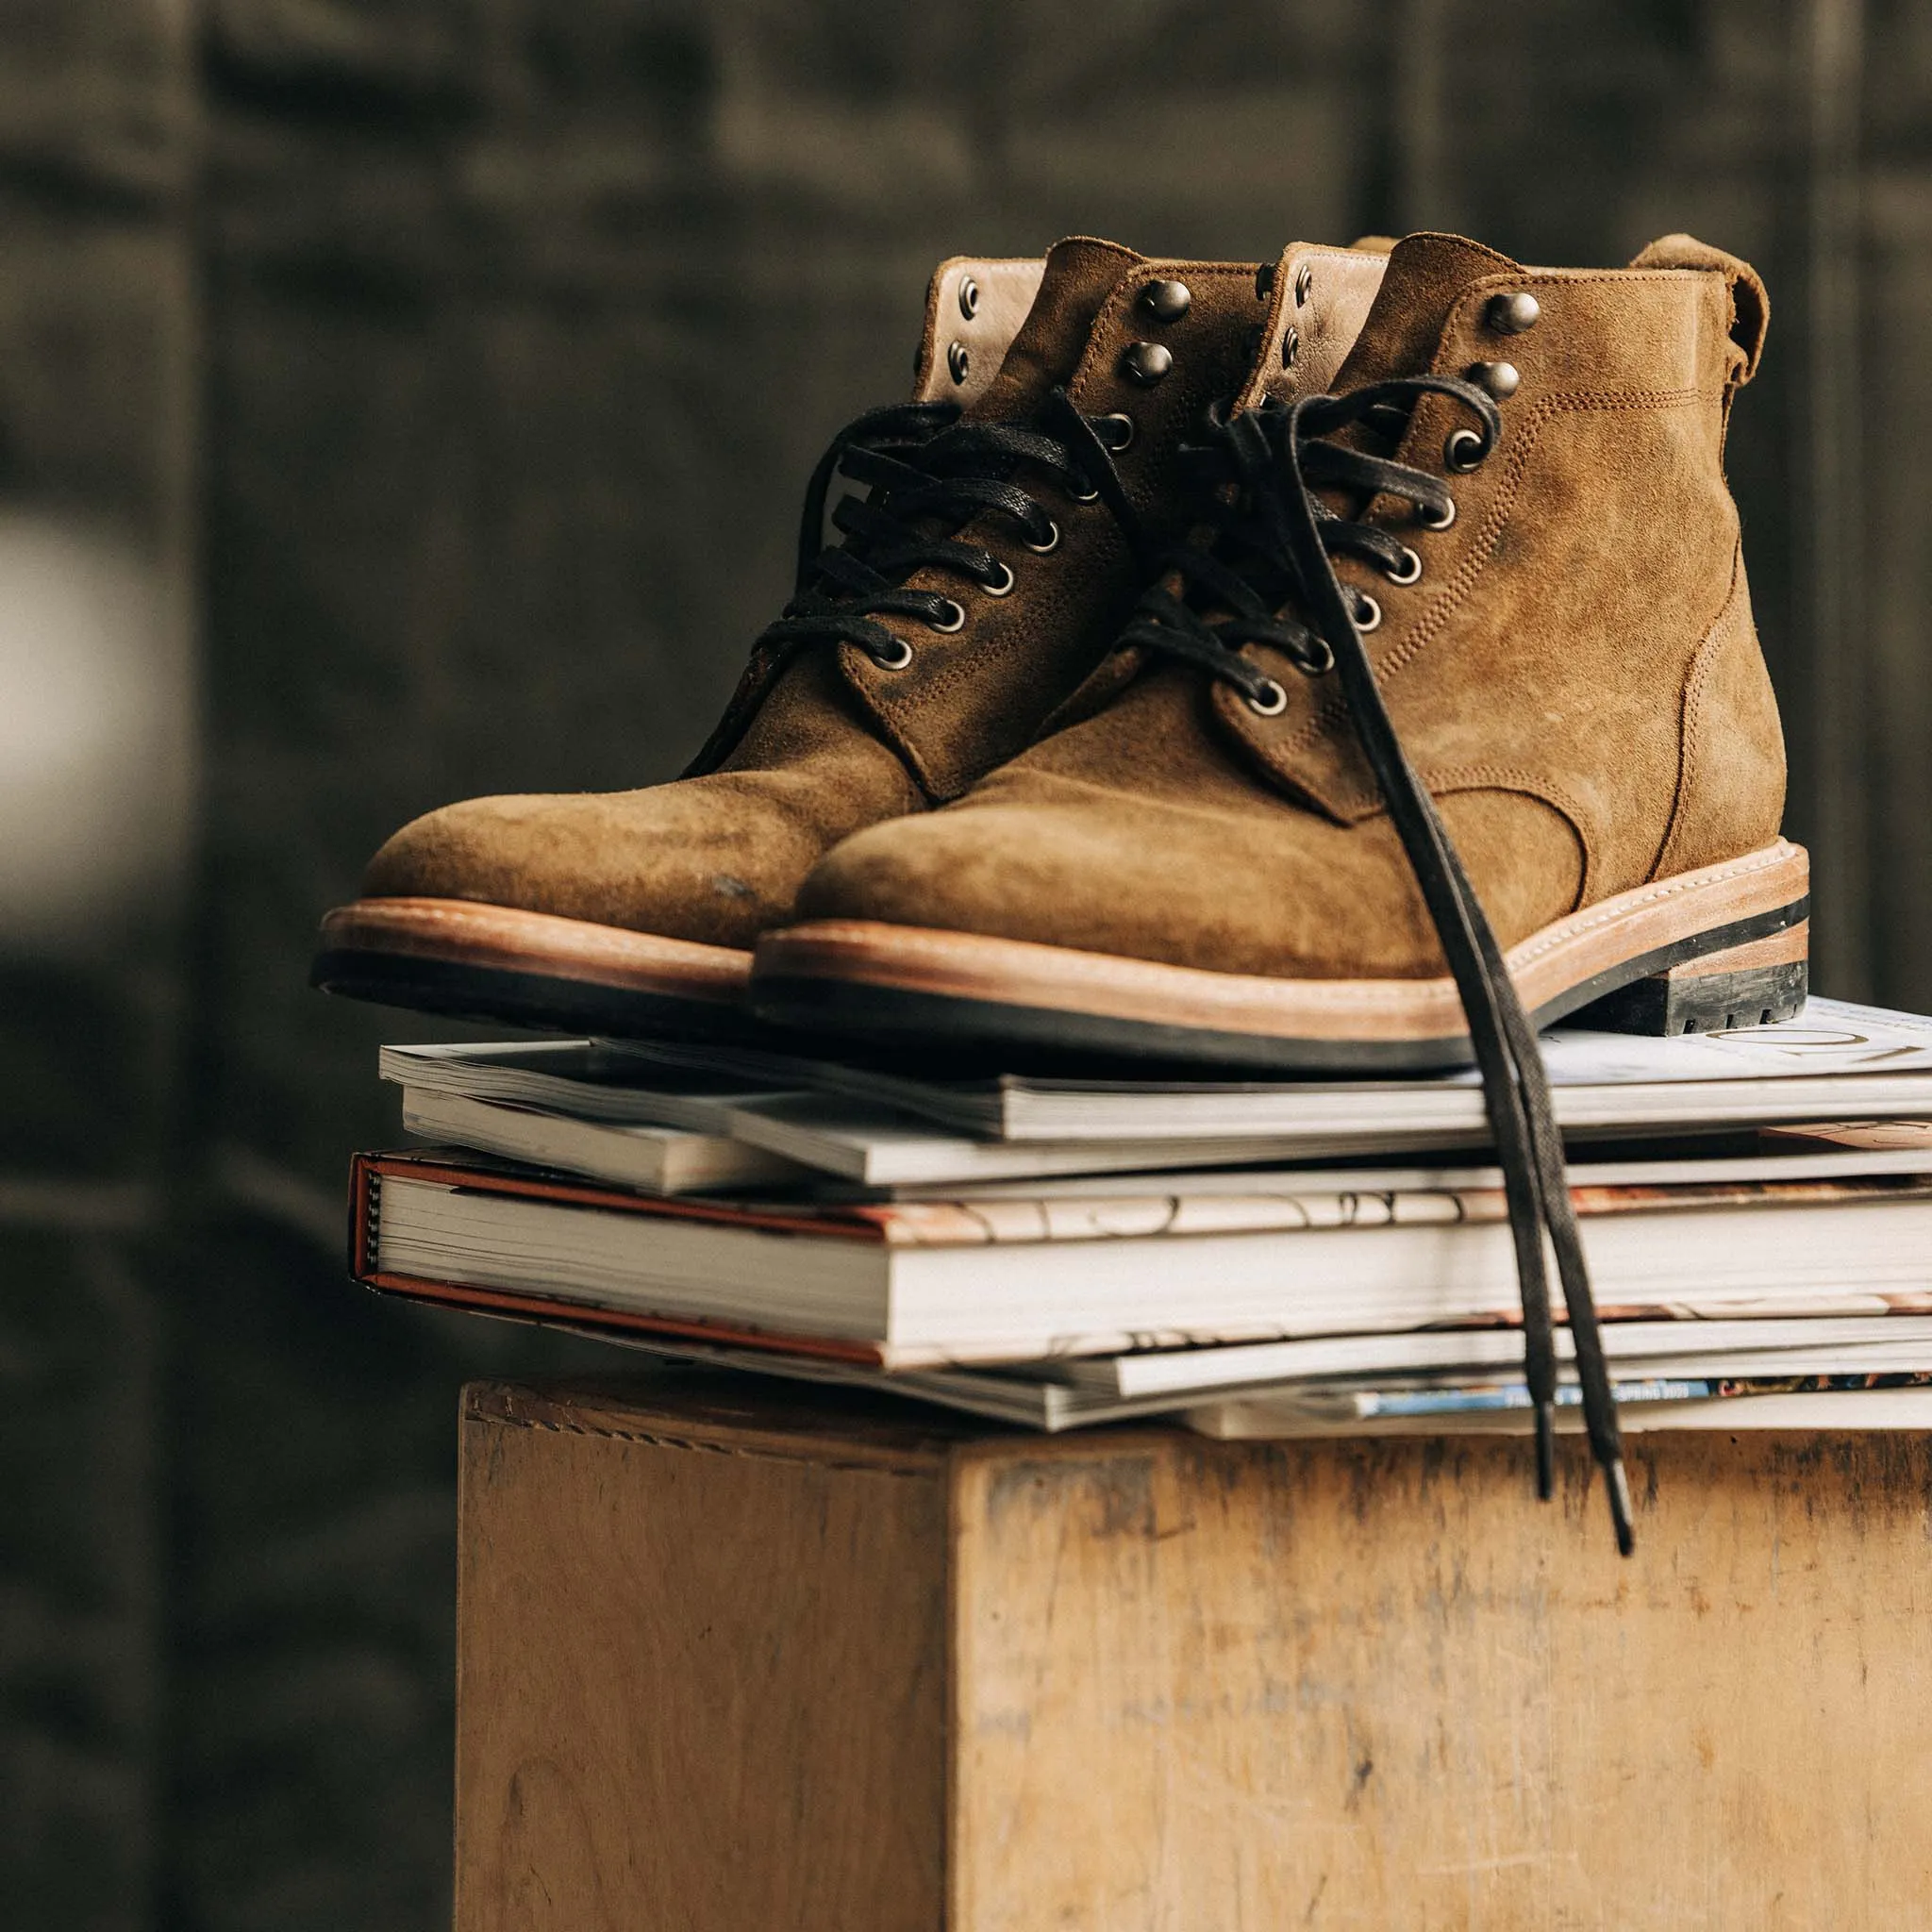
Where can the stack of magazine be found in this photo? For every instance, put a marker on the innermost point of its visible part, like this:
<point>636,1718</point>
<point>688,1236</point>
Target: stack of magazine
<point>1259,1259</point>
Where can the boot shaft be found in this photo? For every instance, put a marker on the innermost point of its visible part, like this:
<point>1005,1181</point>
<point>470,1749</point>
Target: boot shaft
<point>974,309</point>
<point>1572,669</point>
<point>1589,593</point>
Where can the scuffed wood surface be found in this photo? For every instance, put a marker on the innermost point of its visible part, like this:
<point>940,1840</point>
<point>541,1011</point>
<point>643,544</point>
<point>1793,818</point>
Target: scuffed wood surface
<point>747,1661</point>
<point>700,1680</point>
<point>1360,1685</point>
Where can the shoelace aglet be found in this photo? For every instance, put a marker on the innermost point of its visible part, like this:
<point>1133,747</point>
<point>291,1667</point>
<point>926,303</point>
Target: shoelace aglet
<point>1546,1449</point>
<point>1617,1486</point>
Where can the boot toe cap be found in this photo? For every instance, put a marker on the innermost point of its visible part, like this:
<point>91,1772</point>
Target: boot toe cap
<point>1067,877</point>
<point>599,857</point>
<point>1000,871</point>
<point>490,849</point>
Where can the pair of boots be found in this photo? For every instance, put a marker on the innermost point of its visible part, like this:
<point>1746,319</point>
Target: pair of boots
<point>1343,664</point>
<point>969,788</point>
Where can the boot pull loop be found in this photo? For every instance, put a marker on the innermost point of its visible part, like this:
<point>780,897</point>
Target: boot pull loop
<point>1750,305</point>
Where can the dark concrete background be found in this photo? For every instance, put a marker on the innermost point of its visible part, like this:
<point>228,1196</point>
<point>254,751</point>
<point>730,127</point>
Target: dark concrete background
<point>452,366</point>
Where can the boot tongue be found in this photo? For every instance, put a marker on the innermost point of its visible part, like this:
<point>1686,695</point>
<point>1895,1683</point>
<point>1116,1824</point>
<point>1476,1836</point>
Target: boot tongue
<point>1081,274</point>
<point>1427,272</point>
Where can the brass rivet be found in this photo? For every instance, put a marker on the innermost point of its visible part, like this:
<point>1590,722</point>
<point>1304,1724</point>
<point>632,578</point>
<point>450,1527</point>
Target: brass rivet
<point>1166,301</point>
<point>1511,315</point>
<point>1147,363</point>
<point>968,297</point>
<point>1501,379</point>
<point>958,361</point>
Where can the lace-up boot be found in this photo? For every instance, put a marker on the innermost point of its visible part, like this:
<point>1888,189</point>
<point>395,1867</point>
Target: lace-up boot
<point>1522,493</point>
<point>999,529</point>
<point>1452,721</point>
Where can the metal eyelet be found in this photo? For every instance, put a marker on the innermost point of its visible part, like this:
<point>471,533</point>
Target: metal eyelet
<point>1090,495</point>
<point>958,361</point>
<point>1116,431</point>
<point>957,621</point>
<point>896,662</point>
<point>1269,707</point>
<point>1410,571</point>
<point>1050,545</point>
<point>1303,283</point>
<point>1368,614</point>
<point>1001,584</point>
<point>968,297</point>
<point>1435,520</point>
<point>1319,660</point>
<point>1464,451</point>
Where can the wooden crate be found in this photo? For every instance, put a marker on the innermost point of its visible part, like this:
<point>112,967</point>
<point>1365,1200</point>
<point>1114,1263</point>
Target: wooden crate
<point>734,1660</point>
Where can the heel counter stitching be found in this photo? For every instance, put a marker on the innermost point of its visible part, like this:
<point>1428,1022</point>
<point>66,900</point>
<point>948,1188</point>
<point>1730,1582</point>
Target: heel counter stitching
<point>1734,612</point>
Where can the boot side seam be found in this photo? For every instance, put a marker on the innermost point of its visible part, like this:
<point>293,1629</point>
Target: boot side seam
<point>1443,784</point>
<point>1702,668</point>
<point>1463,579</point>
<point>1585,278</point>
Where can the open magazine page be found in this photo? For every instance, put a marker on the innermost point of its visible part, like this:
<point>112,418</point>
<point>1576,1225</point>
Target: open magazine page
<point>1882,1058</point>
<point>1829,1036</point>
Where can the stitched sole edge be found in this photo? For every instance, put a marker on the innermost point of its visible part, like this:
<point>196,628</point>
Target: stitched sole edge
<point>532,970</point>
<point>872,1004</point>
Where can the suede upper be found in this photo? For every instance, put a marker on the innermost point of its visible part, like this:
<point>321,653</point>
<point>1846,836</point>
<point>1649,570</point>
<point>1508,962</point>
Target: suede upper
<point>816,748</point>
<point>1575,675</point>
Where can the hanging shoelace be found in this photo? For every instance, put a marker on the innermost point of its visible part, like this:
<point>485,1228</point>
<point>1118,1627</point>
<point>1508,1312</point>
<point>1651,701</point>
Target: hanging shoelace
<point>1271,557</point>
<point>926,472</point>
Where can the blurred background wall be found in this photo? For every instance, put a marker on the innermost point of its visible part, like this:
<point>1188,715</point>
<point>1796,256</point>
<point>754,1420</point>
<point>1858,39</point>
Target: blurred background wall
<point>401,399</point>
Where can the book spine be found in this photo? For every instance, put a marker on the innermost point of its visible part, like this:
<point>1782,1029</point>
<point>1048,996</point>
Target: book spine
<point>1426,1402</point>
<point>365,1216</point>
<point>1419,1402</point>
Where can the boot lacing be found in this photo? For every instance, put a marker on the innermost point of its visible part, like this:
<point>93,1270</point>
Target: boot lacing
<point>925,473</point>
<point>1273,547</point>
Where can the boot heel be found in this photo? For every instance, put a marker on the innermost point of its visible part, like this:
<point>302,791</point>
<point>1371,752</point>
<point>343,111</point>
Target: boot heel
<point>1751,985</point>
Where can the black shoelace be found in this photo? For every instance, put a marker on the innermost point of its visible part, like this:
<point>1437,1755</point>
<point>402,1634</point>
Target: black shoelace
<point>1271,557</point>
<point>926,472</point>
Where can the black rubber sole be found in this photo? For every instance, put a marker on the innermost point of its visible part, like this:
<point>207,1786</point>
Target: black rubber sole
<point>858,1009</point>
<point>1710,1003</point>
<point>533,1001</point>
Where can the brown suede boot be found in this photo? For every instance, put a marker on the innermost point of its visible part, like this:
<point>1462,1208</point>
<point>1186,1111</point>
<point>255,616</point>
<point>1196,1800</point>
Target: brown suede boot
<point>1202,864</point>
<point>1008,522</point>
<point>1551,781</point>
